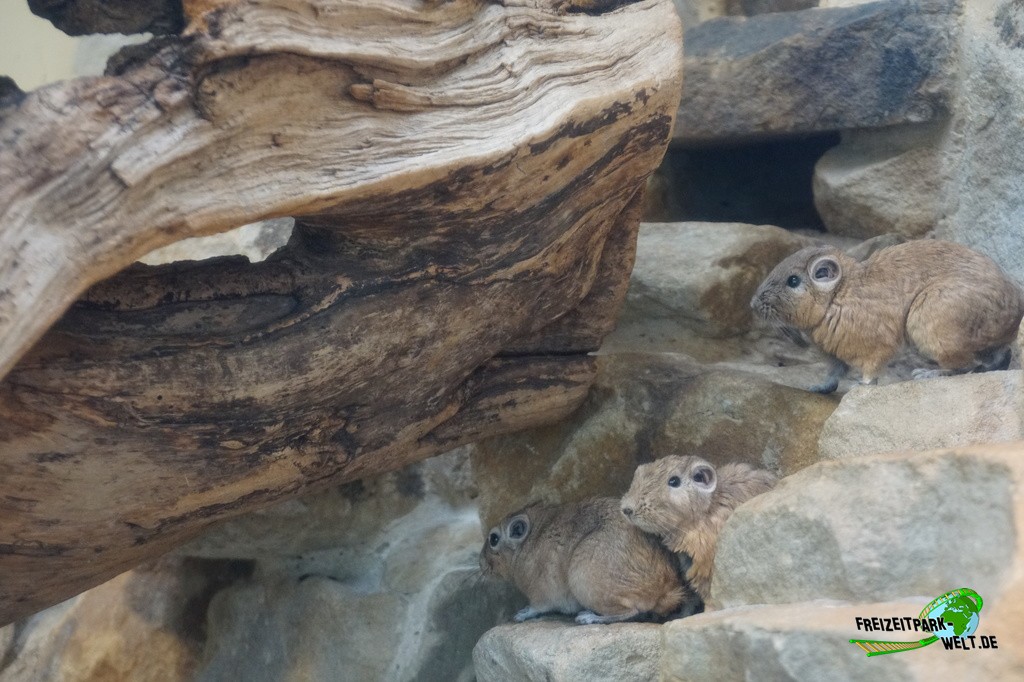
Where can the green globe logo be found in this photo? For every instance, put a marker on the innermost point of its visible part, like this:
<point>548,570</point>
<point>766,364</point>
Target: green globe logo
<point>959,612</point>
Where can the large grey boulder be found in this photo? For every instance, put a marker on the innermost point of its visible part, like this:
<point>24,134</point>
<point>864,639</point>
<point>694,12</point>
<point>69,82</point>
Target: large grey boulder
<point>557,651</point>
<point>926,414</point>
<point>704,274</point>
<point>817,70</point>
<point>984,152</point>
<point>877,528</point>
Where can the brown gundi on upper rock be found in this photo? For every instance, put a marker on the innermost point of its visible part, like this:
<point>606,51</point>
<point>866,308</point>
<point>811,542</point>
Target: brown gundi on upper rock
<point>583,559</point>
<point>955,305</point>
<point>685,501</point>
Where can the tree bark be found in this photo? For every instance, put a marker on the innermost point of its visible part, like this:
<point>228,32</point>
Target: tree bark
<point>467,177</point>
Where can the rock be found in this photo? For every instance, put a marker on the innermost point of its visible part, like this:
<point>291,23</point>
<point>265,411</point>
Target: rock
<point>380,575</point>
<point>882,181</point>
<point>319,628</point>
<point>705,273</point>
<point>926,414</point>
<point>143,625</point>
<point>865,249</point>
<point>353,516</point>
<point>642,407</point>
<point>749,8</point>
<point>879,527</point>
<point>817,70</point>
<point>558,651</point>
<point>810,642</point>
<point>984,151</point>
<point>695,11</point>
<point>83,17</point>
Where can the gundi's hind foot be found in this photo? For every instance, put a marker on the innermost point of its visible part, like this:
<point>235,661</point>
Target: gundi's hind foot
<point>591,618</point>
<point>994,359</point>
<point>991,360</point>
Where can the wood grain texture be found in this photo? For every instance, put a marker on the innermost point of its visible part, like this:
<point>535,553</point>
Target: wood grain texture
<point>467,178</point>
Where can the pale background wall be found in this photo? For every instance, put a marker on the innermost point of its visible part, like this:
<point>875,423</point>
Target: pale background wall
<point>32,51</point>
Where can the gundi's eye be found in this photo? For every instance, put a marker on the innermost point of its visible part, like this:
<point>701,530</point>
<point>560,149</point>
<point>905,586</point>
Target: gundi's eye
<point>793,282</point>
<point>517,530</point>
<point>493,539</point>
<point>700,477</point>
<point>674,482</point>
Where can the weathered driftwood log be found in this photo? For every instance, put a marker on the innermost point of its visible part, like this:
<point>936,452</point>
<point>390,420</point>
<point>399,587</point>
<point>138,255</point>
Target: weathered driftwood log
<point>468,175</point>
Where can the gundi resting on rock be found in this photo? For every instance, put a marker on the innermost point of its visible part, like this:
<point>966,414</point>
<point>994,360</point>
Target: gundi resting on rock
<point>650,555</point>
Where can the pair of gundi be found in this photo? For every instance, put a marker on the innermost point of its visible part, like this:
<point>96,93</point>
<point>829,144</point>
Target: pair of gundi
<point>651,554</point>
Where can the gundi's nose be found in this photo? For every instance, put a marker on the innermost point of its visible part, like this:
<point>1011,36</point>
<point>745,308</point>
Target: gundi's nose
<point>628,511</point>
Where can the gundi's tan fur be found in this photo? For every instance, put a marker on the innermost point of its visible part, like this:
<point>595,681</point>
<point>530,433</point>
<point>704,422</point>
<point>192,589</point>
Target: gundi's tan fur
<point>583,558</point>
<point>954,304</point>
<point>688,513</point>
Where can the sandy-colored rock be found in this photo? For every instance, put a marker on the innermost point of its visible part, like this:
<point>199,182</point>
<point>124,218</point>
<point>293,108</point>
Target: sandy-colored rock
<point>705,273</point>
<point>558,651</point>
<point>818,70</point>
<point>926,414</point>
<point>144,625</point>
<point>809,642</point>
<point>882,181</point>
<point>879,527</point>
<point>645,406</point>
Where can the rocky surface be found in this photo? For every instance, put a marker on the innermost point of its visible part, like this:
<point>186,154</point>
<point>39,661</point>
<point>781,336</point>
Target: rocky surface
<point>878,527</point>
<point>805,642</point>
<point>558,651</point>
<point>926,414</point>
<point>378,579</point>
<point>882,181</point>
<point>790,72</point>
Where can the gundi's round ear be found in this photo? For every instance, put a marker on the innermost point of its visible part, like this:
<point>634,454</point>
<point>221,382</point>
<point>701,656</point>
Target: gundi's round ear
<point>825,271</point>
<point>518,527</point>
<point>704,477</point>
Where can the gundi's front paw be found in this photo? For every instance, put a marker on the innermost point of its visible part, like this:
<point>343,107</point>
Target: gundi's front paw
<point>529,613</point>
